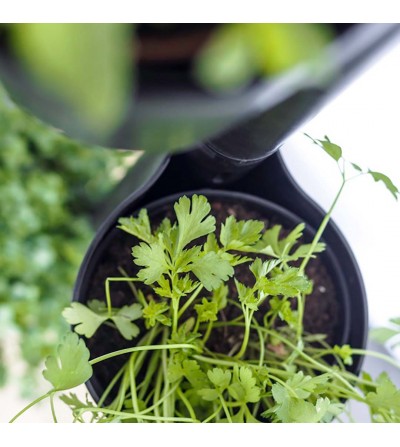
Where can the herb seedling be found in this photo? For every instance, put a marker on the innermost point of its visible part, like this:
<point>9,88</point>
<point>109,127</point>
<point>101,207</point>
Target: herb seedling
<point>274,372</point>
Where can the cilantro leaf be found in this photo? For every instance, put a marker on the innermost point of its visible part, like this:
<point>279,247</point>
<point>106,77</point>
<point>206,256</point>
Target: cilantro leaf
<point>86,320</point>
<point>288,283</point>
<point>246,295</point>
<point>332,149</point>
<point>261,269</point>
<point>123,320</point>
<point>344,352</point>
<point>209,394</point>
<point>386,397</point>
<point>356,167</point>
<point>152,258</point>
<point>70,367</point>
<point>271,245</point>
<point>206,311</point>
<point>211,269</point>
<point>137,226</point>
<point>89,318</point>
<point>189,369</point>
<point>155,312</point>
<point>240,235</point>
<point>219,378</point>
<point>283,309</point>
<point>193,219</point>
<point>243,388</point>
<point>379,177</point>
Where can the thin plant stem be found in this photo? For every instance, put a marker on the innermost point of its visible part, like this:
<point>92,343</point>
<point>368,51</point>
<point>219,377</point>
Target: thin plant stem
<point>108,293</point>
<point>143,348</point>
<point>134,400</point>
<point>186,403</point>
<point>248,315</point>
<point>53,411</point>
<point>188,302</point>
<point>226,411</point>
<point>36,401</point>
<point>125,415</point>
<point>321,228</point>
<point>213,415</point>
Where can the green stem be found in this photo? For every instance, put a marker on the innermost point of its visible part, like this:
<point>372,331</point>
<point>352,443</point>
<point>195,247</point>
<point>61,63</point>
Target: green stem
<point>226,411</point>
<point>134,399</point>
<point>108,293</point>
<point>321,228</point>
<point>175,317</point>
<point>36,401</point>
<point>187,404</point>
<point>157,392</point>
<point>153,365</point>
<point>138,296</point>
<point>143,348</point>
<point>53,411</point>
<point>248,315</point>
<point>300,311</point>
<point>111,386</point>
<point>160,401</point>
<point>167,402</point>
<point>188,302</point>
<point>125,415</point>
<point>377,355</point>
<point>212,416</point>
<point>208,332</point>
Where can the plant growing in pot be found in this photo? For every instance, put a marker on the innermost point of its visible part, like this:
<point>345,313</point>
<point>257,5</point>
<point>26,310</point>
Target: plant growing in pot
<point>211,321</point>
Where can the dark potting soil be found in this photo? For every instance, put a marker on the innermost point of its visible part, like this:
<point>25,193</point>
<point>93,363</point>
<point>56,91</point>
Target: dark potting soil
<point>321,309</point>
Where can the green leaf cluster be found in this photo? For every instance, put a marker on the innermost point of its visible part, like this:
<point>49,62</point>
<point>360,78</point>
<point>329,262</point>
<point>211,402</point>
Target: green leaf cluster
<point>215,345</point>
<point>49,187</point>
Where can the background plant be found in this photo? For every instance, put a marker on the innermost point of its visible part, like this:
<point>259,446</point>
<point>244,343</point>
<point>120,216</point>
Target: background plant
<point>49,187</point>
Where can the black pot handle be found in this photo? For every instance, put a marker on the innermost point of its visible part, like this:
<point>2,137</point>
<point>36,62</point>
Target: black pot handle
<point>282,107</point>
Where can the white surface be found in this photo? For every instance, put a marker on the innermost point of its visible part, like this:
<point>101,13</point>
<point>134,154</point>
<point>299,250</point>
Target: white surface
<point>365,120</point>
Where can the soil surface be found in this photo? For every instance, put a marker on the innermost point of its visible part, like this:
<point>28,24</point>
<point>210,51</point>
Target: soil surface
<point>321,310</point>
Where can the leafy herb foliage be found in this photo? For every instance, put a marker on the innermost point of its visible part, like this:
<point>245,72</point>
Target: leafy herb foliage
<point>274,371</point>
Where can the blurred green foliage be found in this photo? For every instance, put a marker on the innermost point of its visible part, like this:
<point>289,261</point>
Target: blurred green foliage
<point>238,53</point>
<point>88,65</point>
<point>48,187</point>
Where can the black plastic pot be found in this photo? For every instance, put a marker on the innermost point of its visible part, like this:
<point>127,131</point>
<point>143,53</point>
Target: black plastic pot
<point>289,206</point>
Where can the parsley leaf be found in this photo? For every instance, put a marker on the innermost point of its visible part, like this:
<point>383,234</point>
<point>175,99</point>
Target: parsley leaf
<point>206,311</point>
<point>288,283</point>
<point>193,219</point>
<point>387,398</point>
<point>137,226</point>
<point>70,367</point>
<point>344,352</point>
<point>211,269</point>
<point>86,320</point>
<point>123,320</point>
<point>89,318</point>
<point>243,388</point>
<point>152,258</point>
<point>379,177</point>
<point>155,312</point>
<point>240,235</point>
